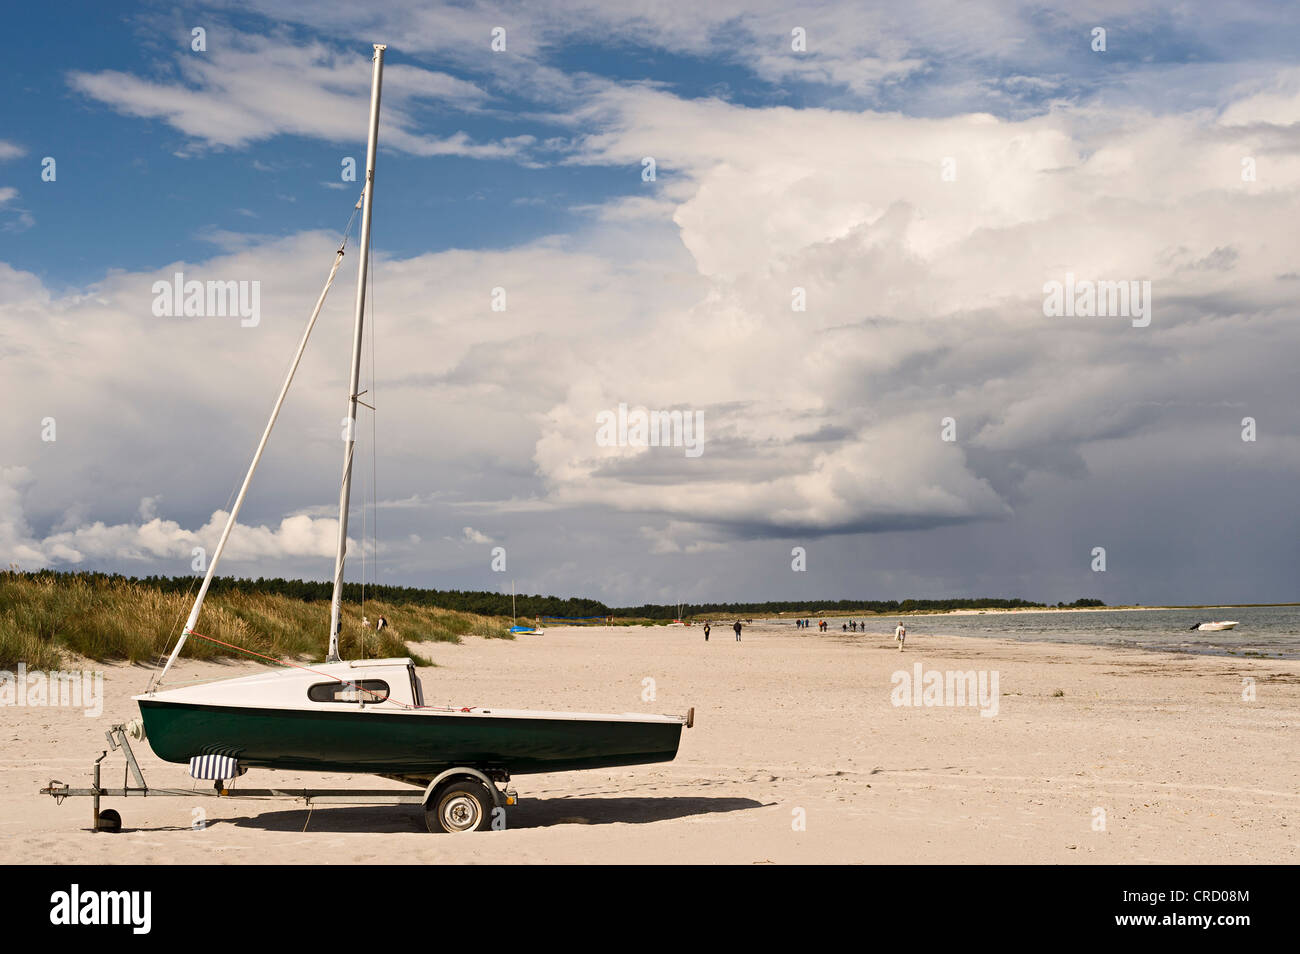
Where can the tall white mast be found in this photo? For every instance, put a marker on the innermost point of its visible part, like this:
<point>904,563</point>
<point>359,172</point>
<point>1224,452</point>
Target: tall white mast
<point>355,381</point>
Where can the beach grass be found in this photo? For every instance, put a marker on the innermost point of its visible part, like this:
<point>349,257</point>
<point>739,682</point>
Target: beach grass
<point>44,617</point>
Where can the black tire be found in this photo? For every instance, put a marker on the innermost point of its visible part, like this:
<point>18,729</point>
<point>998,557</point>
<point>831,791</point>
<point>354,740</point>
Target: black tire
<point>460,806</point>
<point>109,820</point>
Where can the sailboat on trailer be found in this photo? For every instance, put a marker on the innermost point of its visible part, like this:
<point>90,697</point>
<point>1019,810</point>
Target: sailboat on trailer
<point>370,715</point>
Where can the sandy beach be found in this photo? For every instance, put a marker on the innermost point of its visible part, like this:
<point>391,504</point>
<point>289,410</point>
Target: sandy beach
<point>798,755</point>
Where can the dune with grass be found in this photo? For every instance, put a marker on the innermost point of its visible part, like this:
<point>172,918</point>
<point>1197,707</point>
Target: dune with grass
<point>47,620</point>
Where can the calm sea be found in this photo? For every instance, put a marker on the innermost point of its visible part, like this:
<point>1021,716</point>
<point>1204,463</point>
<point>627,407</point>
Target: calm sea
<point>1272,631</point>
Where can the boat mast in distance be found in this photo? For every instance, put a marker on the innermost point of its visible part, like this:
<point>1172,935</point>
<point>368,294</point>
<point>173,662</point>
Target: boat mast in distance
<point>349,439</point>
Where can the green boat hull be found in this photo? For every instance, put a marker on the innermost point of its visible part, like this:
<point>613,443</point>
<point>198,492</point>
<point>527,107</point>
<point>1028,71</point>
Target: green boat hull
<point>387,743</point>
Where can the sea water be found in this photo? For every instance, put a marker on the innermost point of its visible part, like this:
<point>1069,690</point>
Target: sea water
<point>1272,631</point>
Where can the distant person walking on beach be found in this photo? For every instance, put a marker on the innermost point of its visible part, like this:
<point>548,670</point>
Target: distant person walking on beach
<point>737,629</point>
<point>900,634</point>
<point>706,630</point>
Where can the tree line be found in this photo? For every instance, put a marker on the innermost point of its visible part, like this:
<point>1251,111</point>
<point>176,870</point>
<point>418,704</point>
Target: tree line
<point>486,603</point>
<point>479,602</point>
<point>821,607</point>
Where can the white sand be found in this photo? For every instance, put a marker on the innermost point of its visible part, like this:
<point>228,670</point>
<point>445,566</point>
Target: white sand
<point>786,725</point>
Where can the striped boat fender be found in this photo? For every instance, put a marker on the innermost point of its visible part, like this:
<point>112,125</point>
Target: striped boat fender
<point>215,767</point>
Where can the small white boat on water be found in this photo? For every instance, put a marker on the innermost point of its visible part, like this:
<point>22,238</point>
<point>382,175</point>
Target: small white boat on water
<point>1216,627</point>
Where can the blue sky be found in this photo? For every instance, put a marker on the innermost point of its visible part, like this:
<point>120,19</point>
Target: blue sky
<point>135,192</point>
<point>776,169</point>
<point>126,200</point>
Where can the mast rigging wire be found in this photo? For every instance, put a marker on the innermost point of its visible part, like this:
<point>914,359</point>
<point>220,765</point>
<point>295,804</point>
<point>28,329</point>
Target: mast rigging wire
<point>343,241</point>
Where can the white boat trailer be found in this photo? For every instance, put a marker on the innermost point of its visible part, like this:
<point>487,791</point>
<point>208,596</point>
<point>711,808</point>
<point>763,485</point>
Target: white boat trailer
<point>454,801</point>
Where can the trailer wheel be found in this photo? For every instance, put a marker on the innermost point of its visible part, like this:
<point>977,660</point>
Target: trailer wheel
<point>462,805</point>
<point>109,820</point>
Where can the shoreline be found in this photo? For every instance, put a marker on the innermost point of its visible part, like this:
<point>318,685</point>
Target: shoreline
<point>838,614</point>
<point>430,649</point>
<point>1228,644</point>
